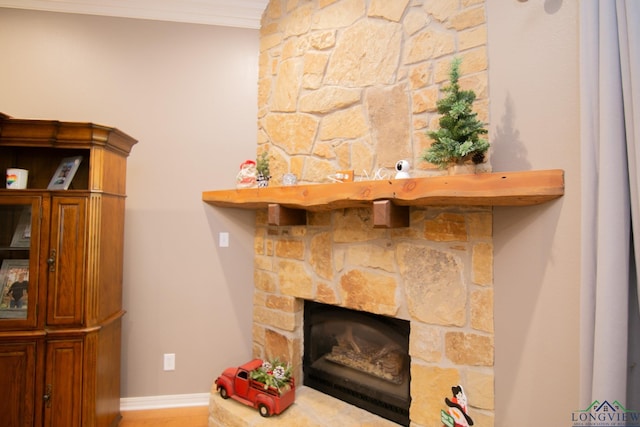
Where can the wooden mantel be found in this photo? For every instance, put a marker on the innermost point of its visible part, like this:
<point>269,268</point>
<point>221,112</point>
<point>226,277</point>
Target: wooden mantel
<point>391,198</point>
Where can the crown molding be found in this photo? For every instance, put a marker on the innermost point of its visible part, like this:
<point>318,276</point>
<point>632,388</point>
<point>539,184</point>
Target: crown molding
<point>229,13</point>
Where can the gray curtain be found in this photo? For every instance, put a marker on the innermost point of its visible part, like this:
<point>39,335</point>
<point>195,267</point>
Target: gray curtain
<point>610,156</point>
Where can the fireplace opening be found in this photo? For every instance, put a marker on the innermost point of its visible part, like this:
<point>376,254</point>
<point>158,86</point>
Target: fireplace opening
<point>358,357</point>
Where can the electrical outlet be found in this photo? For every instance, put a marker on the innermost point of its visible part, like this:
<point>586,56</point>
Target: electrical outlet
<point>169,362</point>
<point>223,240</point>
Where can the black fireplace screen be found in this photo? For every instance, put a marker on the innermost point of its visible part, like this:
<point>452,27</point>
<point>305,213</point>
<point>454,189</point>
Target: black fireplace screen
<point>358,357</point>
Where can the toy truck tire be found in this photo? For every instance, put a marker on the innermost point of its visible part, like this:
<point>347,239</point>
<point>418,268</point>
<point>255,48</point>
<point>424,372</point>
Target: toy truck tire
<point>223,392</point>
<point>264,410</point>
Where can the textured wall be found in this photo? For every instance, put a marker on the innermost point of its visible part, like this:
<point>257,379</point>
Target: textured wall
<point>534,80</point>
<point>353,84</point>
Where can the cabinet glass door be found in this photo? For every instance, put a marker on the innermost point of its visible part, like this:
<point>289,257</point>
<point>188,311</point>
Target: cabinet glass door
<point>19,236</point>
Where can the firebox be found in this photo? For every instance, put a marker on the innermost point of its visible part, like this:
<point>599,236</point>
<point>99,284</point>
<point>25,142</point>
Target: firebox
<point>358,357</point>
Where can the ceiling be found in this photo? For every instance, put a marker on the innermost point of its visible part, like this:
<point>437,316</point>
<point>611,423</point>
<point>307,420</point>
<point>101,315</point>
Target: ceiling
<point>230,13</point>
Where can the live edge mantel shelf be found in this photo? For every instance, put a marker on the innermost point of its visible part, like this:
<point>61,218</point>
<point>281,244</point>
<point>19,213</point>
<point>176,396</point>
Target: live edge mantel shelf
<point>391,199</point>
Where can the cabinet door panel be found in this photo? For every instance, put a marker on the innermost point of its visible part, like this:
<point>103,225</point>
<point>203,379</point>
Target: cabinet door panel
<point>66,272</point>
<point>63,379</point>
<point>20,237</point>
<point>17,384</point>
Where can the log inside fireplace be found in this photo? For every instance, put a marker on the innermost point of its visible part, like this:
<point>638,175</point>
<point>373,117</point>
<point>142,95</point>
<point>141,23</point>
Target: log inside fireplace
<point>358,357</point>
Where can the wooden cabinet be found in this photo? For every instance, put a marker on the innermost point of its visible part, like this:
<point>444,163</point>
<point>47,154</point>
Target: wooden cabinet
<point>61,275</point>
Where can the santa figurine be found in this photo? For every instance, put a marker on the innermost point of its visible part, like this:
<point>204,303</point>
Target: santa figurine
<point>246,178</point>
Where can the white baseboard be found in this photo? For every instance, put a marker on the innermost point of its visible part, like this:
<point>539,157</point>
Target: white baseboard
<point>167,401</point>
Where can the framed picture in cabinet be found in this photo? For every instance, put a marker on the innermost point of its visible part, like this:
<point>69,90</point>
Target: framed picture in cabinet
<point>14,283</point>
<point>65,173</point>
<point>22,235</point>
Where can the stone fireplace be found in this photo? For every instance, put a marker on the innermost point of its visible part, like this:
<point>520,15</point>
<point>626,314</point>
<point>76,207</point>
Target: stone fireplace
<point>352,85</point>
<point>435,274</point>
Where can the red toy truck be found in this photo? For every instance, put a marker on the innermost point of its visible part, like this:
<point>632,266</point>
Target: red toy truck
<point>237,384</point>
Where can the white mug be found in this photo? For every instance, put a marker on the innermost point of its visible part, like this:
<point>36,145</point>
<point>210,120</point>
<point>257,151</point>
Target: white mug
<point>17,178</point>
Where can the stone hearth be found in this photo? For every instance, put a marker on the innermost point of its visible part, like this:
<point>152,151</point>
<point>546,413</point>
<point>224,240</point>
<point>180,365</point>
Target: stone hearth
<point>311,409</point>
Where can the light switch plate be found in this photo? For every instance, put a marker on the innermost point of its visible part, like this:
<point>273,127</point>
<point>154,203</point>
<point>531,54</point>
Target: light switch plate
<point>170,362</point>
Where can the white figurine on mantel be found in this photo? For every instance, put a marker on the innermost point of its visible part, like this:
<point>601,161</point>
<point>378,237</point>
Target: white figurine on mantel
<point>402,169</point>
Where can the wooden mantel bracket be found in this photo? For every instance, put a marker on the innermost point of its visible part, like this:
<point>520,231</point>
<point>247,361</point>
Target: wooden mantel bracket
<point>388,215</point>
<point>280,215</point>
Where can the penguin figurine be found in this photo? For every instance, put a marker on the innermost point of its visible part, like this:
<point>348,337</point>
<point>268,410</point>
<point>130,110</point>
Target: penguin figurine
<point>458,407</point>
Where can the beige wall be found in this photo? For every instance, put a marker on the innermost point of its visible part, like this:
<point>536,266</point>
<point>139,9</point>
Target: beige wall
<point>186,86</point>
<point>189,96</point>
<point>533,81</point>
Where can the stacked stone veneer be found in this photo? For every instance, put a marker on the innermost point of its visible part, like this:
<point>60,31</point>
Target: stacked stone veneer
<point>352,84</point>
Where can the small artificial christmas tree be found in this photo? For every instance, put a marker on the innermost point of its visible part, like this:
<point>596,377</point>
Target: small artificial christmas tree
<point>458,138</point>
